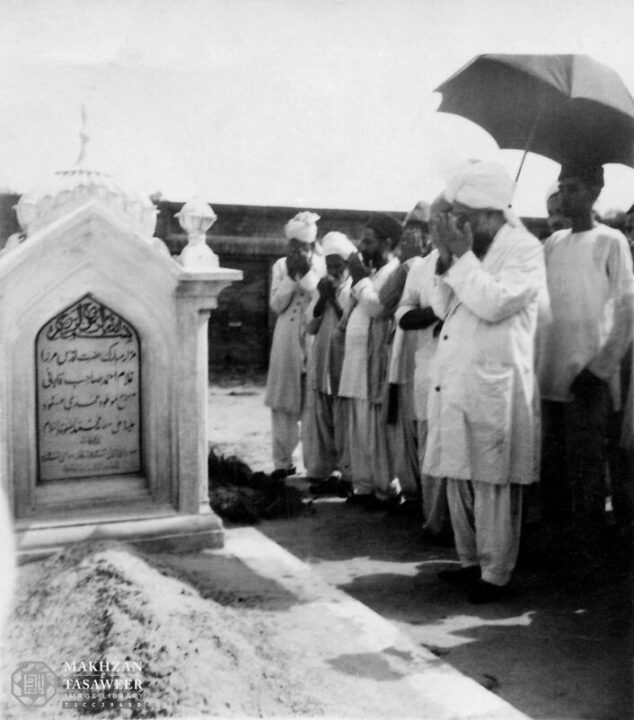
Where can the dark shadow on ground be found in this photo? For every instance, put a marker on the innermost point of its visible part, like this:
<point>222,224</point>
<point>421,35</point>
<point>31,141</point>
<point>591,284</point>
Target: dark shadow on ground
<point>557,647</point>
<point>338,531</point>
<point>368,665</point>
<point>225,580</point>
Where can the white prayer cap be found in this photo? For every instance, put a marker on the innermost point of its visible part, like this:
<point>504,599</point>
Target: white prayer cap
<point>439,205</point>
<point>302,227</point>
<point>336,243</point>
<point>420,213</point>
<point>483,185</point>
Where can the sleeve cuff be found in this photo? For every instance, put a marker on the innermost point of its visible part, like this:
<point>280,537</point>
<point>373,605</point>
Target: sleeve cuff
<point>401,310</point>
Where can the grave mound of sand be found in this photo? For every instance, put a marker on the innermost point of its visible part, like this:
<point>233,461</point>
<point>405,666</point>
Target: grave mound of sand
<point>106,601</point>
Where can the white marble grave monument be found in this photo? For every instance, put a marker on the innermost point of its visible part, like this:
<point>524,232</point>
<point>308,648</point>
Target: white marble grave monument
<point>103,342</point>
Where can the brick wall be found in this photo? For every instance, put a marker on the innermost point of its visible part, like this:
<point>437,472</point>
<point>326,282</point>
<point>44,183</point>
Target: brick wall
<point>248,238</point>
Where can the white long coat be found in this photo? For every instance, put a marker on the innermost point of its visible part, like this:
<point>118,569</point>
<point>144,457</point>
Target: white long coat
<point>289,299</point>
<point>481,422</point>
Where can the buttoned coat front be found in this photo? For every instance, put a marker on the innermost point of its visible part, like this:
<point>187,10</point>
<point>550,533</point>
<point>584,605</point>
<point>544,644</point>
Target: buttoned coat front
<point>289,299</point>
<point>481,402</point>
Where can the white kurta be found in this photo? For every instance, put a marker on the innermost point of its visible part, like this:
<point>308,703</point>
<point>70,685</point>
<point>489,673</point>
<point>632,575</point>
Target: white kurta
<point>365,294</point>
<point>418,294</point>
<point>480,408</point>
<point>289,299</point>
<point>591,287</point>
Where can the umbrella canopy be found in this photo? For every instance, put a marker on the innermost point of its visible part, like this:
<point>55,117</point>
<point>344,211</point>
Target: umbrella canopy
<point>560,106</point>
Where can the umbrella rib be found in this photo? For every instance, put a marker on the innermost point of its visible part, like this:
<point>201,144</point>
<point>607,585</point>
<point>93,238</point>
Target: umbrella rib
<point>529,139</point>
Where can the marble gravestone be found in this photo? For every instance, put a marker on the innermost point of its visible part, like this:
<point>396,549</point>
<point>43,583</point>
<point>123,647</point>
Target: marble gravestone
<point>87,394</point>
<point>103,345</point>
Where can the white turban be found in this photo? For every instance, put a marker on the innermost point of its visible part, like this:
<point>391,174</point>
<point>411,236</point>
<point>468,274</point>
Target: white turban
<point>483,185</point>
<point>302,227</point>
<point>419,213</point>
<point>336,243</point>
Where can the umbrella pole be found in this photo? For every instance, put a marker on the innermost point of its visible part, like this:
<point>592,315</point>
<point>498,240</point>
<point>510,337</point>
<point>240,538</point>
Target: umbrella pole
<point>529,141</point>
<point>519,169</point>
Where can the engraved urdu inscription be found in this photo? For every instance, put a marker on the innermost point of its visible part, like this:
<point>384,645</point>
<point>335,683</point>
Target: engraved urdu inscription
<point>88,398</point>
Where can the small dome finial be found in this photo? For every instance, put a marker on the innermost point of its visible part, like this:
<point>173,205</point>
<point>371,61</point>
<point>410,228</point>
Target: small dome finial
<point>83,137</point>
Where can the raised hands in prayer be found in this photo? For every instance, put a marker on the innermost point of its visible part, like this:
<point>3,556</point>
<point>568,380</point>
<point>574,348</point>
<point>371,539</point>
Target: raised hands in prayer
<point>297,265</point>
<point>357,269</point>
<point>452,236</point>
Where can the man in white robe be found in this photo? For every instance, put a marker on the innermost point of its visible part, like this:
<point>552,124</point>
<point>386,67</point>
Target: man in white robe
<point>326,451</point>
<point>293,285</point>
<point>591,285</point>
<point>364,372</point>
<point>490,276</point>
<point>401,420</point>
<point>419,323</point>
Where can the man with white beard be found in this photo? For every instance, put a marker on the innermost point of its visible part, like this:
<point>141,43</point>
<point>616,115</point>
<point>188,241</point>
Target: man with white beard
<point>490,277</point>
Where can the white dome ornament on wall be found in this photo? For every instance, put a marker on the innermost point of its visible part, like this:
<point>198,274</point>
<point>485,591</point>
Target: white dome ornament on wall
<point>68,190</point>
<point>196,217</point>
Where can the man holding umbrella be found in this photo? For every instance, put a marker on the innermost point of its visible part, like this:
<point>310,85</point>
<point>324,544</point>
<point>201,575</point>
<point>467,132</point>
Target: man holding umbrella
<point>589,270</point>
<point>490,278</point>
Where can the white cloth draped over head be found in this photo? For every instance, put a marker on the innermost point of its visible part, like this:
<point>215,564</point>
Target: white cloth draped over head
<point>302,227</point>
<point>336,243</point>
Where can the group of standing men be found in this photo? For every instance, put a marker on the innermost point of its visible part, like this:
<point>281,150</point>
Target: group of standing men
<point>419,370</point>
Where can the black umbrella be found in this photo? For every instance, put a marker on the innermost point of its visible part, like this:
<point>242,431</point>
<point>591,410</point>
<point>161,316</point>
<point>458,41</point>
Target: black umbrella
<point>560,106</point>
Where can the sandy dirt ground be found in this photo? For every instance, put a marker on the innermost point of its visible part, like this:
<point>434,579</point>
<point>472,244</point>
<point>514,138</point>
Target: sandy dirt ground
<point>201,654</point>
<point>210,635</point>
<point>557,647</point>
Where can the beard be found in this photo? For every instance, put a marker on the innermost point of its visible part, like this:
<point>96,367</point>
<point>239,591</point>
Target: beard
<point>481,243</point>
<point>371,260</point>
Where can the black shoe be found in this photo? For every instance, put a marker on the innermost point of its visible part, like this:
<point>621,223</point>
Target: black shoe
<point>367,501</point>
<point>281,473</point>
<point>344,488</point>
<point>325,486</point>
<point>317,486</point>
<point>485,592</point>
<point>464,577</point>
<point>395,504</point>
